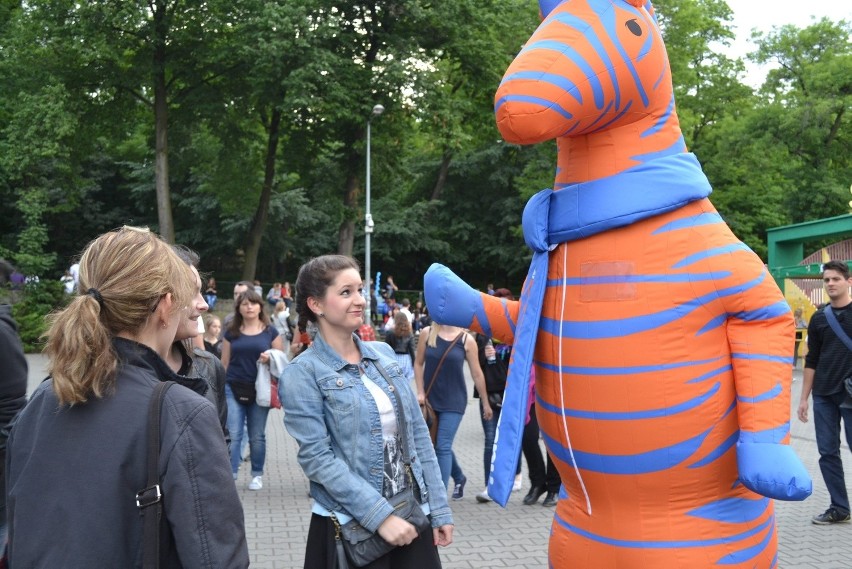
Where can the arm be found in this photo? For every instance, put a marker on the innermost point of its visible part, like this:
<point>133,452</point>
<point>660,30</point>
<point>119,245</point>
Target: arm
<point>226,353</point>
<point>420,365</point>
<point>201,501</point>
<point>807,386</point>
<point>472,355</point>
<point>811,362</point>
<point>305,419</point>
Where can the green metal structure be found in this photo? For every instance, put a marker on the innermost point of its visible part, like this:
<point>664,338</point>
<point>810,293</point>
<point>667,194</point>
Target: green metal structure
<point>786,246</point>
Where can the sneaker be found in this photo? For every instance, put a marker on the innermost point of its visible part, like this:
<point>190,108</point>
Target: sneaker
<point>483,497</point>
<point>458,491</point>
<point>256,483</point>
<point>519,483</point>
<point>831,516</point>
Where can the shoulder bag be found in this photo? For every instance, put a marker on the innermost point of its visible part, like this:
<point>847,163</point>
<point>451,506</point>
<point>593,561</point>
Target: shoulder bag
<point>150,499</point>
<point>429,414</point>
<point>358,544</point>
<point>835,325</point>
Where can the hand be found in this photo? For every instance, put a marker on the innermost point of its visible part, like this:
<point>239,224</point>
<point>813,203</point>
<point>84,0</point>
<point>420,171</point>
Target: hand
<point>421,398</point>
<point>443,535</point>
<point>487,412</point>
<point>489,351</point>
<point>264,358</point>
<point>803,411</point>
<point>397,531</point>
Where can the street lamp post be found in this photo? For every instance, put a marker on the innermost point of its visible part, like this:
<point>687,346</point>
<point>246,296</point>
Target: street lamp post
<point>368,219</point>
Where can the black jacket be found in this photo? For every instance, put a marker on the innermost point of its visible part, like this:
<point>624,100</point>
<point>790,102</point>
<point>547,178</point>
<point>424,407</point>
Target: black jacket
<point>74,471</point>
<point>13,386</point>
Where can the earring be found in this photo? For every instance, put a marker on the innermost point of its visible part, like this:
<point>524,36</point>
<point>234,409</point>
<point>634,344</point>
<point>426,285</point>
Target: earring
<point>322,314</point>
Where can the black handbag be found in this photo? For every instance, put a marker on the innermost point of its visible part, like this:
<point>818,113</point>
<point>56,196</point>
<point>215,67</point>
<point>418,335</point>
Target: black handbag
<point>495,398</point>
<point>361,546</point>
<point>244,392</point>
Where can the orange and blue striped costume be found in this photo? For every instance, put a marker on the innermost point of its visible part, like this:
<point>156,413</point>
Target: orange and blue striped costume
<point>662,346</point>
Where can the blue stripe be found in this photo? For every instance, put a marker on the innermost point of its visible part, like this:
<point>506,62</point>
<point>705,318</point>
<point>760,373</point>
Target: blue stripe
<point>656,460</point>
<point>626,370</point>
<point>618,328</point>
<point>589,34</point>
<point>762,357</point>
<point>661,122</point>
<point>749,553</point>
<point>512,323</point>
<point>571,53</point>
<point>717,453</point>
<point>550,78</point>
<point>692,221</point>
<point>618,116</point>
<point>609,22</point>
<point>714,252</point>
<point>679,544</point>
<point>768,436</point>
<point>661,77</point>
<point>535,101</point>
<point>766,313</point>
<point>677,147</point>
<point>603,114</point>
<point>622,279</point>
<point>771,394</point>
<point>732,510</point>
<point>712,373</point>
<point>646,47</point>
<point>632,415</point>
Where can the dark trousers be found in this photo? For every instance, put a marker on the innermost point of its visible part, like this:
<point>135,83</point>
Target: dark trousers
<point>489,428</point>
<point>539,476</point>
<point>827,415</point>
<point>321,550</point>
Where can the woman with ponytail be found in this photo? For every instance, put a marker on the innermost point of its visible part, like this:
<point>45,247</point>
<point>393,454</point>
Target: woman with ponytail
<point>344,402</point>
<point>77,453</point>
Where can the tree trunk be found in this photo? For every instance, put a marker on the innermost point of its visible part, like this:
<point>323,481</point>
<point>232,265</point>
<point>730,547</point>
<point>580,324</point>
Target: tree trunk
<point>161,126</point>
<point>346,235</point>
<point>258,223</point>
<point>442,175</point>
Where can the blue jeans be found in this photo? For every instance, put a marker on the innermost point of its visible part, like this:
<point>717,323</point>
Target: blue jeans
<point>211,301</point>
<point>490,430</point>
<point>448,425</point>
<point>255,416</point>
<point>827,415</point>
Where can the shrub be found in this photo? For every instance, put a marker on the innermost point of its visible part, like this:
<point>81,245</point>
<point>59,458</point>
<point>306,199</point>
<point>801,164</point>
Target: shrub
<point>37,301</point>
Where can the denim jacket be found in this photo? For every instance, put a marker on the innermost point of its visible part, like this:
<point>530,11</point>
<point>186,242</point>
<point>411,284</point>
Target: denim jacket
<point>335,420</point>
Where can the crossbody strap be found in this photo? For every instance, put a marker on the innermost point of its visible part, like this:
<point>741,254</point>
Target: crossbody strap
<point>441,362</point>
<point>150,500</point>
<point>835,325</point>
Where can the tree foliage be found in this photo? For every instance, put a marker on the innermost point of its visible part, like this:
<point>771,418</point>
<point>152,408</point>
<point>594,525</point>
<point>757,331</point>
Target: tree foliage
<point>252,115</point>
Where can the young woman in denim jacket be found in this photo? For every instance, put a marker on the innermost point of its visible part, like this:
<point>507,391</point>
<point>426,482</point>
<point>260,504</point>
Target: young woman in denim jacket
<point>343,414</point>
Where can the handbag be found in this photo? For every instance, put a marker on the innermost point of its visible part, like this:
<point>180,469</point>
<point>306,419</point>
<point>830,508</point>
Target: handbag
<point>495,398</point>
<point>150,498</point>
<point>835,325</point>
<point>429,414</point>
<point>361,546</point>
<point>244,392</point>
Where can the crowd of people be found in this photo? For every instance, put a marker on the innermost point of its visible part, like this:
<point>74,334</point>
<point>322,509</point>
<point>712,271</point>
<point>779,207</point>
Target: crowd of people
<point>134,323</point>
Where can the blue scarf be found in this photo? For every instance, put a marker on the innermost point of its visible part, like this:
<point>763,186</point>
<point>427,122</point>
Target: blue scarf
<point>576,212</point>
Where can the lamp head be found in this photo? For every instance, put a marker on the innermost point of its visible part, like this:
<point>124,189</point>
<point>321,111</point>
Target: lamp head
<point>378,109</point>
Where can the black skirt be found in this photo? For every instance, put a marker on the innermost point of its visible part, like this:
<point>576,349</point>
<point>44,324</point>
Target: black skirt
<point>321,551</point>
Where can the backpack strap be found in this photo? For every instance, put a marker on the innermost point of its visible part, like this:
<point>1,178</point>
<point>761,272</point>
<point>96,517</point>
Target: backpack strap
<point>835,325</point>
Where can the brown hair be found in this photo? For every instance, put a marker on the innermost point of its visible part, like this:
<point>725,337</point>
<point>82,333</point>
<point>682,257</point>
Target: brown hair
<point>123,276</point>
<point>237,321</point>
<point>401,325</point>
<point>313,280</point>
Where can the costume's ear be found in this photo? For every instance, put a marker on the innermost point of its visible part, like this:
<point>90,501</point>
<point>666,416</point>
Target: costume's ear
<point>547,6</point>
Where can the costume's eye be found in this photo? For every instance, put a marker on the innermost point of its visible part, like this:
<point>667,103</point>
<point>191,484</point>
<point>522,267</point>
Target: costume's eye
<point>634,27</point>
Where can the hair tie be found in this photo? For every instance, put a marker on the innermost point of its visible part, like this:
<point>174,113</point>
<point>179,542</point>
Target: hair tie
<point>93,292</point>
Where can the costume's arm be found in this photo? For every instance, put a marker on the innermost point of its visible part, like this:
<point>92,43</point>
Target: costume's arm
<point>452,301</point>
<point>761,334</point>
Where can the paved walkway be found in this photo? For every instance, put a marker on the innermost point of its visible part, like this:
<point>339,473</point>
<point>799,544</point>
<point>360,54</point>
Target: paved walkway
<point>489,536</point>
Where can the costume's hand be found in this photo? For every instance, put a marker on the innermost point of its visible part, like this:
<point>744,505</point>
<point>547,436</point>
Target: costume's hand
<point>773,470</point>
<point>803,411</point>
<point>450,300</point>
<point>397,531</point>
<point>487,412</point>
<point>443,535</point>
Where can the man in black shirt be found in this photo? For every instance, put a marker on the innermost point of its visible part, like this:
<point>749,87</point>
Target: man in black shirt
<point>828,363</point>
